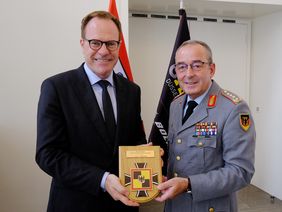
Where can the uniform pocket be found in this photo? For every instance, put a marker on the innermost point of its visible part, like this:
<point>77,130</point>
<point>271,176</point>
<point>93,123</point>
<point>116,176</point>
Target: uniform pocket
<point>202,151</point>
<point>221,204</point>
<point>202,142</point>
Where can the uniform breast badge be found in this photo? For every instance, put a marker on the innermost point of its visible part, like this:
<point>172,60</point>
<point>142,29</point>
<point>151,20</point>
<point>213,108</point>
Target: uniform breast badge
<point>205,129</point>
<point>140,171</point>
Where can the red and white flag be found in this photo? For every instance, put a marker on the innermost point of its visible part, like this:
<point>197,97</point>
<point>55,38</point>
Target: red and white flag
<point>122,67</point>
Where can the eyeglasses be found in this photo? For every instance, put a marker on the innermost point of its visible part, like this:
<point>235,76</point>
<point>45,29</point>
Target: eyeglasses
<point>195,66</point>
<point>111,45</point>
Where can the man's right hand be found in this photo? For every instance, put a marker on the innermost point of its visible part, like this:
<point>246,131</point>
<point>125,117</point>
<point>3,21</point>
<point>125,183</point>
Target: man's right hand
<point>171,188</point>
<point>117,191</point>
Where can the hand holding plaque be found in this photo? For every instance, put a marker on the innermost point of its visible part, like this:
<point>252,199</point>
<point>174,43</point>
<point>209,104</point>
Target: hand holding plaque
<point>140,171</point>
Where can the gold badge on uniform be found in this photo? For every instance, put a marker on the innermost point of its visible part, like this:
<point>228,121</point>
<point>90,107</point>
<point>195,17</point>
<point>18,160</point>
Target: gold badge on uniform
<point>245,121</point>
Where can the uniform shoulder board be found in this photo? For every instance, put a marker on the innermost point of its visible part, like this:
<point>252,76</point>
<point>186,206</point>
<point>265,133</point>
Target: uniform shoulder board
<point>231,96</point>
<point>181,94</point>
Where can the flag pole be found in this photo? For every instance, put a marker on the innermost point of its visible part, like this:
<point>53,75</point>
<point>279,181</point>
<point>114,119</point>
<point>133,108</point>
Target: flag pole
<point>181,4</point>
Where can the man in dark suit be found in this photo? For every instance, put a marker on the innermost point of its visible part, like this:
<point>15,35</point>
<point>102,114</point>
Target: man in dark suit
<point>74,144</point>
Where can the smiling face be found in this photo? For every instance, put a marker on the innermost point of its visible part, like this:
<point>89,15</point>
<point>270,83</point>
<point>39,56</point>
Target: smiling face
<point>101,61</point>
<point>194,82</point>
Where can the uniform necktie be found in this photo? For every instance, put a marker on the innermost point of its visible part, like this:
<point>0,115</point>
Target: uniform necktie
<point>189,111</point>
<point>108,109</point>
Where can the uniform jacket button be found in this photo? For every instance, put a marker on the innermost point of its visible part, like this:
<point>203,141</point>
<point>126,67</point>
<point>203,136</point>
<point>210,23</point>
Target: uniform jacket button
<point>211,210</point>
<point>178,158</point>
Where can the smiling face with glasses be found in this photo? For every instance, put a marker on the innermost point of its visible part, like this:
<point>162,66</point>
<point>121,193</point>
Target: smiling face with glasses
<point>195,66</point>
<point>100,45</point>
<point>111,45</point>
<point>193,69</point>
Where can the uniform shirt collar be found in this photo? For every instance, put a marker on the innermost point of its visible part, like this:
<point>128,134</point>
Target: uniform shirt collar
<point>199,98</point>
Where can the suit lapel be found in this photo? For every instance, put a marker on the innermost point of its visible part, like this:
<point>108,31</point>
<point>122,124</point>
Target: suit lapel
<point>86,96</point>
<point>199,114</point>
<point>178,115</point>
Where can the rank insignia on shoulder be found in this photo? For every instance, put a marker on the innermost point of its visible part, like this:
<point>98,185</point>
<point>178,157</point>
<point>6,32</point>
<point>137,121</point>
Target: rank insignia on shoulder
<point>245,121</point>
<point>231,96</point>
<point>212,101</point>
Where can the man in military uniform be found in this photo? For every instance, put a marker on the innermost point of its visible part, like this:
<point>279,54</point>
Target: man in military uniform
<point>211,148</point>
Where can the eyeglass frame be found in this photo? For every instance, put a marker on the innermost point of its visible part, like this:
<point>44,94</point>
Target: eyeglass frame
<point>192,66</point>
<point>103,42</point>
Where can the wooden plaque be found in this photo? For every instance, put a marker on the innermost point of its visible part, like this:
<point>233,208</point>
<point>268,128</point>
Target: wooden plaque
<point>140,171</point>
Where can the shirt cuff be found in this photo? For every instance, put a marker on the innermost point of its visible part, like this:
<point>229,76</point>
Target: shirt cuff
<point>102,185</point>
<point>189,188</point>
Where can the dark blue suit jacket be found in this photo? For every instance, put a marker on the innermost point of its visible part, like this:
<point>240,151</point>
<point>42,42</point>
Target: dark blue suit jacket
<point>72,144</point>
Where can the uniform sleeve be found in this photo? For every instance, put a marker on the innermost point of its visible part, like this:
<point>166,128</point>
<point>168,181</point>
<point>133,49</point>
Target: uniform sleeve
<point>238,148</point>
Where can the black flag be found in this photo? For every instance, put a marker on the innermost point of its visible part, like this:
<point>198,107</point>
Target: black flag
<point>170,90</point>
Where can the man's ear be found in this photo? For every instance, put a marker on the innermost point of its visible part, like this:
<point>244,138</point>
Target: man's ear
<point>212,69</point>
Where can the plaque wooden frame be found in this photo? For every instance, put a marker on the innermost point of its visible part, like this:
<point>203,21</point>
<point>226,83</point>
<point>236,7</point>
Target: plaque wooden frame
<point>140,171</point>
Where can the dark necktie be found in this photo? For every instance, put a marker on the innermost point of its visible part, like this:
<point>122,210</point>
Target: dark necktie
<point>108,109</point>
<point>189,111</point>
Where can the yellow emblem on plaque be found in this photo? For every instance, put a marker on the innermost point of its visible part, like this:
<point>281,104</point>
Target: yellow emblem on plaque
<point>141,179</point>
<point>140,171</point>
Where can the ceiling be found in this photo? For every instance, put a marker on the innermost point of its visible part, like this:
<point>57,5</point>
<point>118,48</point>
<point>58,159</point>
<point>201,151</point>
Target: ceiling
<point>204,8</point>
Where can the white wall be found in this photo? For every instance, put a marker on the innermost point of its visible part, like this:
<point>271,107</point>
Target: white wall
<point>266,101</point>
<point>38,39</point>
<point>275,2</point>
